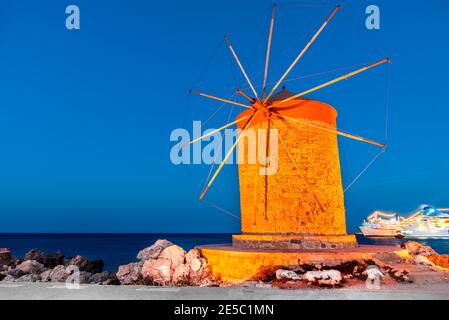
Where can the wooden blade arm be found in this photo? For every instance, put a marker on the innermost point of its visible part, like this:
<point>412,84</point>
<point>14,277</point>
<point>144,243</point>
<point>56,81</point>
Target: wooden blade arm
<point>227,155</point>
<point>302,53</point>
<point>267,57</point>
<point>346,76</point>
<point>220,99</point>
<point>241,67</point>
<point>215,131</point>
<point>341,133</point>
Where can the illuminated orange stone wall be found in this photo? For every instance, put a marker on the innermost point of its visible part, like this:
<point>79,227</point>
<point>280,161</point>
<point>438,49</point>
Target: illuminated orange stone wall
<point>284,203</point>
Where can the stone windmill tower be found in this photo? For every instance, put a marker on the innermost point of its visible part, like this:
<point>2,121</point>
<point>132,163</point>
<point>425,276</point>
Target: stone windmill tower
<point>301,206</point>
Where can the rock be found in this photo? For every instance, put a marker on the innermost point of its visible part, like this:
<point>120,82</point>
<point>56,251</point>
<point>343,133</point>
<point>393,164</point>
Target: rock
<point>372,272</point>
<point>348,277</point>
<point>192,254</point>
<point>6,258</point>
<point>3,275</point>
<point>202,276</point>
<point>195,264</point>
<point>422,260</point>
<point>45,276</point>
<point>175,254</point>
<point>53,259</point>
<point>83,277</point>
<point>58,274</point>
<point>400,275</point>
<point>153,251</point>
<point>157,271</point>
<point>83,264</point>
<point>416,248</point>
<point>181,275</point>
<point>8,278</point>
<point>130,273</point>
<point>440,260</point>
<point>282,274</point>
<point>111,281</point>
<point>34,254</point>
<point>29,278</point>
<point>358,272</point>
<point>324,278</point>
<point>31,266</point>
<point>16,273</point>
<point>297,269</point>
<point>99,277</point>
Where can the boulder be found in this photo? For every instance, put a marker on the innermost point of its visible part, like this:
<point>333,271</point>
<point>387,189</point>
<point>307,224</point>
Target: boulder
<point>175,254</point>
<point>8,278</point>
<point>16,273</point>
<point>181,275</point>
<point>45,276</point>
<point>100,277</point>
<point>53,259</point>
<point>83,277</point>
<point>29,278</point>
<point>419,259</point>
<point>83,264</point>
<point>6,258</point>
<point>58,274</point>
<point>282,274</point>
<point>35,254</point>
<point>324,278</point>
<point>202,276</point>
<point>31,266</point>
<point>192,254</point>
<point>130,273</point>
<point>416,248</point>
<point>400,275</point>
<point>158,271</point>
<point>195,264</point>
<point>153,251</point>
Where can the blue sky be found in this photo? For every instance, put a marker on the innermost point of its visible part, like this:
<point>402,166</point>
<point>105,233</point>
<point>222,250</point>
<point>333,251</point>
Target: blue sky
<point>86,115</point>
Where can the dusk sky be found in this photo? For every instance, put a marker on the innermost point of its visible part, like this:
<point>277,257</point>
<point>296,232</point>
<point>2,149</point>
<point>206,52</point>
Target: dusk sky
<point>86,115</point>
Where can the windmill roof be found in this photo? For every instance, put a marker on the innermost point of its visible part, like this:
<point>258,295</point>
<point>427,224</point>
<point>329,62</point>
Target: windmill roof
<point>283,94</point>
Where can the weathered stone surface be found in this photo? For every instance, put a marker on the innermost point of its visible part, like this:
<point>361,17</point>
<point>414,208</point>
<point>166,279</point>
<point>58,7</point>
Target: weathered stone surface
<point>154,250</point>
<point>419,259</point>
<point>6,258</point>
<point>84,264</point>
<point>282,274</point>
<point>45,276</point>
<point>99,277</point>
<point>16,273</point>
<point>130,273</point>
<point>83,277</point>
<point>34,254</point>
<point>400,275</point>
<point>192,254</point>
<point>181,275</point>
<point>175,254</point>
<point>157,271</point>
<point>417,248</point>
<point>29,278</point>
<point>58,274</point>
<point>324,278</point>
<point>8,278</point>
<point>195,264</point>
<point>31,266</point>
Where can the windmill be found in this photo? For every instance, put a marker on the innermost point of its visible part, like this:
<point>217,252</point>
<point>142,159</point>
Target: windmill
<point>305,199</point>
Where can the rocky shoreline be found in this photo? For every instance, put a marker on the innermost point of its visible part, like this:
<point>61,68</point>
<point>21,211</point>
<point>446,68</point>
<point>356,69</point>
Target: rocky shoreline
<point>166,264</point>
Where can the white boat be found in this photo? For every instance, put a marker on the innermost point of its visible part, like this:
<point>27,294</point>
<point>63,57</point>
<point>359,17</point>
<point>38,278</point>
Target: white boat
<point>380,224</point>
<point>428,222</point>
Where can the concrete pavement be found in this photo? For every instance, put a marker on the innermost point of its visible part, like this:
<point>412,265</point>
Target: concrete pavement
<point>56,291</point>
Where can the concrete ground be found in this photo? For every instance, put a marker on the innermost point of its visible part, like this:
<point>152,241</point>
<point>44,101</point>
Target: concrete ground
<point>52,291</point>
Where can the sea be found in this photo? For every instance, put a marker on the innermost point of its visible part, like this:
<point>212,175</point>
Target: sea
<point>116,249</point>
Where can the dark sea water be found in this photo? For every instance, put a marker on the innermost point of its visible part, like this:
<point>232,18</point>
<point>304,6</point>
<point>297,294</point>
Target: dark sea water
<point>120,248</point>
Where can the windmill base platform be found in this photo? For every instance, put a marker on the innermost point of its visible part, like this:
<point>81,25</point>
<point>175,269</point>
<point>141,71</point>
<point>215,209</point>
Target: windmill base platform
<point>236,264</point>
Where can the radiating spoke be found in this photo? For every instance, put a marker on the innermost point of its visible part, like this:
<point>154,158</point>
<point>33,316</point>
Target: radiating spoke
<point>216,130</point>
<point>241,67</point>
<point>267,58</point>
<point>302,53</point>
<point>220,99</point>
<point>341,133</point>
<point>346,76</point>
<point>227,155</point>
